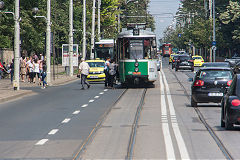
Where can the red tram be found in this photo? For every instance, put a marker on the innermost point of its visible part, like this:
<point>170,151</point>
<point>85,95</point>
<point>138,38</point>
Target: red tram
<point>166,49</point>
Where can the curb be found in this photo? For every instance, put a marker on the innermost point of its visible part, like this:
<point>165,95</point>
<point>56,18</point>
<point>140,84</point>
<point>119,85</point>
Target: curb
<point>23,93</point>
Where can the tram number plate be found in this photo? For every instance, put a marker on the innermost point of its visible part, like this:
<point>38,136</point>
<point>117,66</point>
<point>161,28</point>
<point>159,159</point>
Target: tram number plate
<point>215,94</point>
<point>137,73</point>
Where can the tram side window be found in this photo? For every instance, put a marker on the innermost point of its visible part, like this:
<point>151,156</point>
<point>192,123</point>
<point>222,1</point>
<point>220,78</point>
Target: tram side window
<point>126,47</point>
<point>147,49</point>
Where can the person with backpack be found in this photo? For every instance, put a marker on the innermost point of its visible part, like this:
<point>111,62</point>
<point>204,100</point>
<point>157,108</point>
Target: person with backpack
<point>106,71</point>
<point>112,73</point>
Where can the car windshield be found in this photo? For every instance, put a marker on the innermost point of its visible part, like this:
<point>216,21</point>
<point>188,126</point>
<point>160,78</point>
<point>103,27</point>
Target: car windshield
<point>215,74</point>
<point>96,64</point>
<point>184,58</point>
<point>197,58</point>
<point>216,65</point>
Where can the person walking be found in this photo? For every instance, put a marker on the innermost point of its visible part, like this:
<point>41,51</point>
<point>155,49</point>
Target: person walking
<point>36,71</point>
<point>112,73</point>
<point>12,70</point>
<point>84,71</point>
<point>106,71</point>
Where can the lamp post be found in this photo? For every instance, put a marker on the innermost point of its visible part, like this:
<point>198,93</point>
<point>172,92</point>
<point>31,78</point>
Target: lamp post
<point>48,38</point>
<point>99,18</point>
<point>93,30</point>
<point>16,42</point>
<point>71,37</point>
<point>214,32</point>
<point>84,30</point>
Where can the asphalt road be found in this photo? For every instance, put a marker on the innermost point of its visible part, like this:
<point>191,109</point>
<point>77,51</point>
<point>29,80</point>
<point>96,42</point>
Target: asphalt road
<point>53,123</point>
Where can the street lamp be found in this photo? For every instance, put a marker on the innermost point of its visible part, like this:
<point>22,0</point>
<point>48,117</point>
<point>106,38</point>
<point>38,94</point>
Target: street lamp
<point>16,41</point>
<point>48,39</point>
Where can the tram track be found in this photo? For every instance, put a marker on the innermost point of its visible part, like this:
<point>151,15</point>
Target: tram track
<point>211,131</point>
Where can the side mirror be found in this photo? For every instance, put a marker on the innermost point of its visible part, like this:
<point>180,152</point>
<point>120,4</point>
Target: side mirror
<point>190,79</point>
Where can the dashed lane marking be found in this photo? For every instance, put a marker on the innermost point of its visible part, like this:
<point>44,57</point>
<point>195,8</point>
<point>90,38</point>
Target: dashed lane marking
<point>105,90</point>
<point>54,131</point>
<point>92,100</point>
<point>76,112</point>
<point>41,142</point>
<point>96,97</point>
<point>66,120</point>
<point>85,105</point>
<point>101,93</point>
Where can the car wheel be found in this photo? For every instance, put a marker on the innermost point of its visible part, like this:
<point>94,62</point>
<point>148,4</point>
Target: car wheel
<point>228,125</point>
<point>193,103</point>
<point>222,122</point>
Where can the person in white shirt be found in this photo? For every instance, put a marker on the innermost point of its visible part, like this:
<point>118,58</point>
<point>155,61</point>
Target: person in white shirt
<point>84,70</point>
<point>106,71</point>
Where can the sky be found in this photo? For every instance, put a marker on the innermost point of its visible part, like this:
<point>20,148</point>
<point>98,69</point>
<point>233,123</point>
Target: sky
<point>159,9</point>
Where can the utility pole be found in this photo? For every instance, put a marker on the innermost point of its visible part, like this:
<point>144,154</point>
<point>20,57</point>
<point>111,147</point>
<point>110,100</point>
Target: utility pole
<point>99,19</point>
<point>84,30</point>
<point>93,30</point>
<point>48,42</point>
<point>210,16</point>
<point>214,33</point>
<point>16,46</point>
<point>71,37</point>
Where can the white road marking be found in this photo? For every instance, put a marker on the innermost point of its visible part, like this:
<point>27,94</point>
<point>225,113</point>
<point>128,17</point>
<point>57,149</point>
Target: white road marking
<point>41,142</point>
<point>101,93</point>
<point>181,144</point>
<point>54,131</point>
<point>165,125</point>
<point>66,120</point>
<point>92,100</point>
<point>85,105</point>
<point>96,97</point>
<point>76,112</point>
<point>105,90</point>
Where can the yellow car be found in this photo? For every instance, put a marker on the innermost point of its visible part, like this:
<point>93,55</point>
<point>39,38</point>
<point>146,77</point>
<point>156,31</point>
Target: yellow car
<point>96,72</point>
<point>171,58</point>
<point>198,61</point>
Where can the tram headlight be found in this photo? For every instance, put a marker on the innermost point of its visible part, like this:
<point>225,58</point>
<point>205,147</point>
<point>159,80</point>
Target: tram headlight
<point>136,69</point>
<point>136,64</point>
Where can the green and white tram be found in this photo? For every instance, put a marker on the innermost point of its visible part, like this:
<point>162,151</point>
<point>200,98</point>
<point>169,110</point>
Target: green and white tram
<point>136,52</point>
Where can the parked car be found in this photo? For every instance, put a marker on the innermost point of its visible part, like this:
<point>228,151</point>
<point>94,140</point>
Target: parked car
<point>184,62</point>
<point>233,61</point>
<point>216,64</point>
<point>230,105</point>
<point>174,61</point>
<point>209,85</point>
<point>198,61</point>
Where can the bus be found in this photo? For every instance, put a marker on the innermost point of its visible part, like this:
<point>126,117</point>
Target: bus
<point>166,49</point>
<point>104,48</point>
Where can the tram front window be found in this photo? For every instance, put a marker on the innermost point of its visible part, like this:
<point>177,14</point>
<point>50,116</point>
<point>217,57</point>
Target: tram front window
<point>136,49</point>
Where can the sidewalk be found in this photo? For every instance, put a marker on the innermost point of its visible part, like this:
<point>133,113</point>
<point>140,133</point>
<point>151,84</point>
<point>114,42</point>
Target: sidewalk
<point>7,92</point>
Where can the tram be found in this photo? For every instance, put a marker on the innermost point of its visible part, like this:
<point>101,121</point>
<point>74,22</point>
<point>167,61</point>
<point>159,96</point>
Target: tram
<point>136,53</point>
<point>166,49</point>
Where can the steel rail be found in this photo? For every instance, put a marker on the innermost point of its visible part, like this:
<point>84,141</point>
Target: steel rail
<point>219,143</point>
<point>98,125</point>
<point>132,139</point>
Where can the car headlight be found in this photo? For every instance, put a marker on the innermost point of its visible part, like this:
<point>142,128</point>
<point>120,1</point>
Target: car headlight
<point>136,69</point>
<point>136,64</point>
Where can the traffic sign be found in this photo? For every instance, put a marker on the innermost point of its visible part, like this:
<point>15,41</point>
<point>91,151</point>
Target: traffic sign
<point>214,43</point>
<point>179,35</point>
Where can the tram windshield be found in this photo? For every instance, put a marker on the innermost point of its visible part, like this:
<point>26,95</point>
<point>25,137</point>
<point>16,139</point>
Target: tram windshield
<point>136,49</point>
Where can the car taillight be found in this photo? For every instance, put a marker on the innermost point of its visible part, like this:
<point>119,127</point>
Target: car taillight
<point>202,61</point>
<point>198,83</point>
<point>236,102</point>
<point>229,82</point>
<point>190,60</point>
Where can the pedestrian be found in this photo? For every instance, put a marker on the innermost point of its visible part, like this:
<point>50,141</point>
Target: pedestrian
<point>106,71</point>
<point>44,74</point>
<point>84,71</point>
<point>36,72</point>
<point>112,73</point>
<point>12,70</point>
<point>1,70</point>
<point>23,68</point>
<point>30,69</point>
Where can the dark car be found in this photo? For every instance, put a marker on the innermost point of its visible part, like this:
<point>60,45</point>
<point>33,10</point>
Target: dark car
<point>184,62</point>
<point>230,104</point>
<point>209,85</point>
<point>216,64</point>
<point>175,57</point>
<point>236,68</point>
<point>233,61</point>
